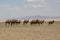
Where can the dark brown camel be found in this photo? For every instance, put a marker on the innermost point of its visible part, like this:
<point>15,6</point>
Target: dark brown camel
<point>33,22</point>
<point>37,22</point>
<point>40,21</point>
<point>51,22</point>
<point>13,21</point>
<point>18,22</point>
<point>25,21</point>
<point>8,22</point>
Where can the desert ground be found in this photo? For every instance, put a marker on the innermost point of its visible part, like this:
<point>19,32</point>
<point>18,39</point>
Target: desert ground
<point>30,32</point>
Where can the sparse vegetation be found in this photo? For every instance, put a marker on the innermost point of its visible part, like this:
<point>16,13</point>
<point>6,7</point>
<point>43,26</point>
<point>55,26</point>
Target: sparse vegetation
<point>30,32</point>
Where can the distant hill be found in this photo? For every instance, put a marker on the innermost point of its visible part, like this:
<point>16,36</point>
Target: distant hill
<point>38,17</point>
<point>34,17</point>
<point>46,18</point>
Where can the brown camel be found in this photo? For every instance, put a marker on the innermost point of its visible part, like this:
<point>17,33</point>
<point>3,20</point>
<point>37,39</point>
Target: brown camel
<point>37,21</point>
<point>51,22</point>
<point>8,22</point>
<point>40,21</point>
<point>18,22</point>
<point>33,22</point>
<point>25,21</point>
<point>13,21</point>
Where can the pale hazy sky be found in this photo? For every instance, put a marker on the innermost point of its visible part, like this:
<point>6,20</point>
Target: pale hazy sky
<point>21,8</point>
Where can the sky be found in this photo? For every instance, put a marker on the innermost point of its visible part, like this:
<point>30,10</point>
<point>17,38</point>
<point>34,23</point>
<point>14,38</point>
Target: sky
<point>22,8</point>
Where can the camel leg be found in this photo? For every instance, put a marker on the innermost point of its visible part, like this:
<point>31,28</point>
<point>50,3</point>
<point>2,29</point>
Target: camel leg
<point>11,24</point>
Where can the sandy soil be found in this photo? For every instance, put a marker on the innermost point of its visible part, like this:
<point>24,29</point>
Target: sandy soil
<point>30,32</point>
